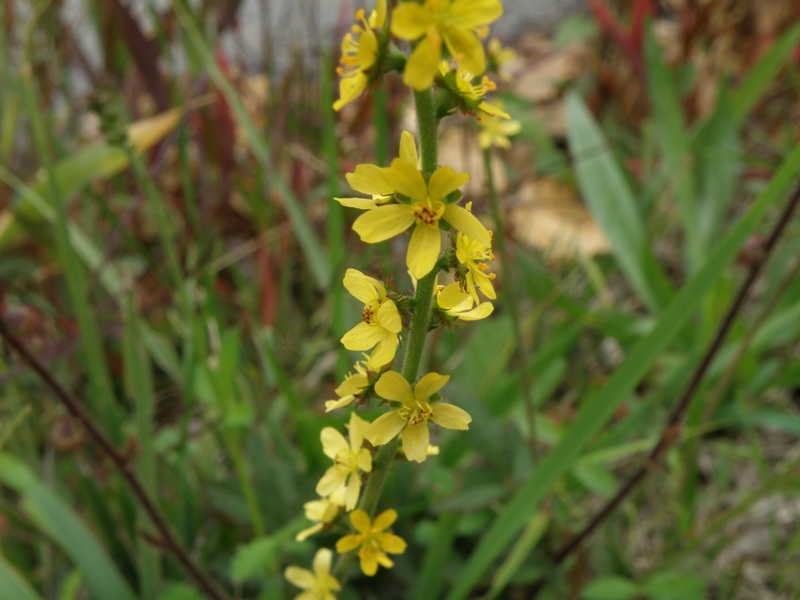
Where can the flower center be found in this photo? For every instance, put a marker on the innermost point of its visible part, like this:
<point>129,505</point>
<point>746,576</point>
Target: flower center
<point>428,213</point>
<point>420,412</point>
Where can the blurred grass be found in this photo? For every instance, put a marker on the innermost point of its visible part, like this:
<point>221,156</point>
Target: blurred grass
<point>187,286</point>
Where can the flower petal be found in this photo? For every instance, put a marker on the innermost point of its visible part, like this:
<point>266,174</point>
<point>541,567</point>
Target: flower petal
<point>353,490</point>
<point>350,88</point>
<point>369,561</point>
<point>479,312</point>
<point>359,203</point>
<point>333,443</point>
<point>429,385</point>
<point>423,250</point>
<point>405,178</point>
<point>362,287</point>
<point>368,180</point>
<point>466,222</point>
<point>393,386</point>
<point>384,351</point>
<point>444,181</point>
<point>340,403</point>
<point>348,543</point>
<point>408,148</point>
<point>389,318</point>
<point>306,533</point>
<point>362,337</point>
<point>355,429</point>
<point>385,520</point>
<point>331,481</point>
<point>450,416</point>
<point>452,297</point>
<point>361,521</point>
<point>410,21</point>
<point>466,49</point>
<point>384,222</point>
<point>421,66</point>
<point>302,578</point>
<point>322,561</point>
<point>364,461</point>
<point>415,441</point>
<point>393,544</point>
<point>474,13</point>
<point>384,428</point>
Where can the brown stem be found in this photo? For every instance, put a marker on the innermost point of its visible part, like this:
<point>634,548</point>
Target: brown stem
<point>168,540</point>
<point>671,430</point>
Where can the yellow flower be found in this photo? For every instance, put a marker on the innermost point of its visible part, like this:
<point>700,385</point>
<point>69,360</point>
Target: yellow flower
<point>352,386</point>
<point>427,207</point>
<point>372,541</point>
<point>360,49</point>
<point>412,417</point>
<point>321,512</point>
<point>471,254</point>
<point>454,22</point>
<point>380,321</point>
<point>457,303</point>
<point>499,57</point>
<point>318,585</point>
<point>469,95</point>
<point>348,460</point>
<point>494,132</point>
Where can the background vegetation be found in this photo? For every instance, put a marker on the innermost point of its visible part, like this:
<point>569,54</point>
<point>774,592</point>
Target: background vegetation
<point>170,256</point>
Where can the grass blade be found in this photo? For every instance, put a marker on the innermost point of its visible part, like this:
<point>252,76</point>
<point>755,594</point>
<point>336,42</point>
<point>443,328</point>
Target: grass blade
<point>12,583</point>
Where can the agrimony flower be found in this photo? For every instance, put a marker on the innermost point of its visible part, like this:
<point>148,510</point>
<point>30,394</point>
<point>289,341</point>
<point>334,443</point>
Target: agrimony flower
<point>380,321</point>
<point>495,132</point>
<point>349,460</point>
<point>467,94</point>
<point>457,303</point>
<point>473,254</point>
<point>353,385</point>
<point>360,49</point>
<point>372,541</point>
<point>452,22</point>
<point>321,512</point>
<point>316,585</point>
<point>411,419</point>
<point>499,57</point>
<point>426,208</point>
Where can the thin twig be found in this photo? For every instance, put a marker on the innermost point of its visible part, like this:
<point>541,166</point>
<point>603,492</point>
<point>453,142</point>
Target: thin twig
<point>168,539</point>
<point>672,428</point>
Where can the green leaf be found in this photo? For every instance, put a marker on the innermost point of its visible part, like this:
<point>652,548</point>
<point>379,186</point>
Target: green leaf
<point>610,588</point>
<point>610,200</point>
<point>599,408</point>
<point>675,586</point>
<point>56,519</point>
<point>258,556</point>
<point>12,583</point>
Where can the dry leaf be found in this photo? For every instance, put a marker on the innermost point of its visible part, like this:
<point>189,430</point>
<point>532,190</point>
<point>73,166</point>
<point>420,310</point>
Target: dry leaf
<point>549,216</point>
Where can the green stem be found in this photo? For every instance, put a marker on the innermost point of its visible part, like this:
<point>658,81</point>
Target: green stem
<point>510,301</point>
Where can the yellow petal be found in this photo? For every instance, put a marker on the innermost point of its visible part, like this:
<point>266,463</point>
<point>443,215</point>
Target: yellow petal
<point>342,402</point>
<point>429,385</point>
<point>393,544</point>
<point>404,177</point>
<point>491,109</point>
<point>384,428</point>
<point>389,317</point>
<point>393,386</point>
<point>408,148</point>
<point>365,459</point>
<point>423,250</point>
<point>485,284</point>
<point>421,66</point>
<point>380,15</point>
<point>363,287</point>
<point>322,561</point>
<point>362,337</point>
<point>473,13</point>
<point>353,490</point>
<point>450,416</point>
<point>466,222</point>
<point>306,533</point>
<point>355,431</point>
<point>368,180</point>
<point>384,222</point>
<point>410,21</point>
<point>348,543</point>
<point>359,203</point>
<point>385,520</point>
<point>384,351</point>
<point>443,181</point>
<point>302,578</point>
<point>333,443</point>
<point>466,49</point>
<point>350,88</point>
<point>369,562</point>
<point>367,49</point>
<point>331,481</point>
<point>451,297</point>
<point>352,384</point>
<point>415,441</point>
<point>479,312</point>
<point>361,521</point>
